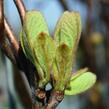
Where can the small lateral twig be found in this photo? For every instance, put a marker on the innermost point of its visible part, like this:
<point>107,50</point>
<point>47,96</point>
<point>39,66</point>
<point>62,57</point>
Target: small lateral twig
<point>1,17</point>
<point>11,37</point>
<point>22,89</point>
<point>21,9</point>
<point>3,43</point>
<point>89,16</point>
<point>63,4</point>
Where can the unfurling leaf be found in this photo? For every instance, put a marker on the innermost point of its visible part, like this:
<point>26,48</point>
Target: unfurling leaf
<point>33,25</point>
<point>44,52</point>
<point>68,29</point>
<point>67,35</point>
<point>54,59</point>
<point>78,73</point>
<point>37,45</point>
<point>80,83</point>
<point>63,61</point>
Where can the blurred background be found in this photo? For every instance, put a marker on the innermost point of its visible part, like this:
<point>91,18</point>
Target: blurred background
<point>93,52</point>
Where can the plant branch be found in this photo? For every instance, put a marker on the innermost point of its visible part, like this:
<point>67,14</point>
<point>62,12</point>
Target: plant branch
<point>89,16</point>
<point>11,37</point>
<point>20,83</point>
<point>3,43</point>
<point>56,98</point>
<point>63,4</point>
<point>21,9</point>
<point>7,50</point>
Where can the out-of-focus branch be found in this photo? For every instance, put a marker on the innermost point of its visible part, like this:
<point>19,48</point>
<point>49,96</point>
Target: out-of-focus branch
<point>7,50</point>
<point>3,43</point>
<point>1,20</point>
<point>21,8</point>
<point>63,4</point>
<point>11,37</point>
<point>89,16</point>
<point>22,89</point>
<point>105,18</point>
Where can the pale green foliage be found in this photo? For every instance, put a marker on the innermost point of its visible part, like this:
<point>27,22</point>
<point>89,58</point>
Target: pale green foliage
<point>32,21</point>
<point>34,24</point>
<point>61,67</point>
<point>80,83</point>
<point>68,29</point>
<point>44,52</point>
<point>37,45</point>
<point>78,73</point>
<point>55,58</point>
<point>67,35</point>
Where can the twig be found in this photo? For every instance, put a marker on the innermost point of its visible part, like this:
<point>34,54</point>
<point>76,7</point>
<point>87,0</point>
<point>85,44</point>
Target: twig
<point>3,43</point>
<point>89,16</point>
<point>11,37</point>
<point>21,9</point>
<point>22,89</point>
<point>7,50</point>
<point>56,98</point>
<point>63,4</point>
<point>1,17</point>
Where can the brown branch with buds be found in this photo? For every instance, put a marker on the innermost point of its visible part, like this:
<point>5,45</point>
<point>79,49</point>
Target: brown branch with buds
<point>55,97</point>
<point>11,47</point>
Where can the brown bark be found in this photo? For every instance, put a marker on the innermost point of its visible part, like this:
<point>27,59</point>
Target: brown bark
<point>11,37</point>
<point>21,9</point>
<point>22,89</point>
<point>3,43</point>
<point>55,98</point>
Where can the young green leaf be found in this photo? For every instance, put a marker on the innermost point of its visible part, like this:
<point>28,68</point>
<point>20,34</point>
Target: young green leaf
<point>78,73</point>
<point>66,35</point>
<point>44,51</point>
<point>80,83</point>
<point>33,36</point>
<point>63,61</point>
<point>25,46</point>
<point>34,24</point>
<point>30,54</point>
<point>68,29</point>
